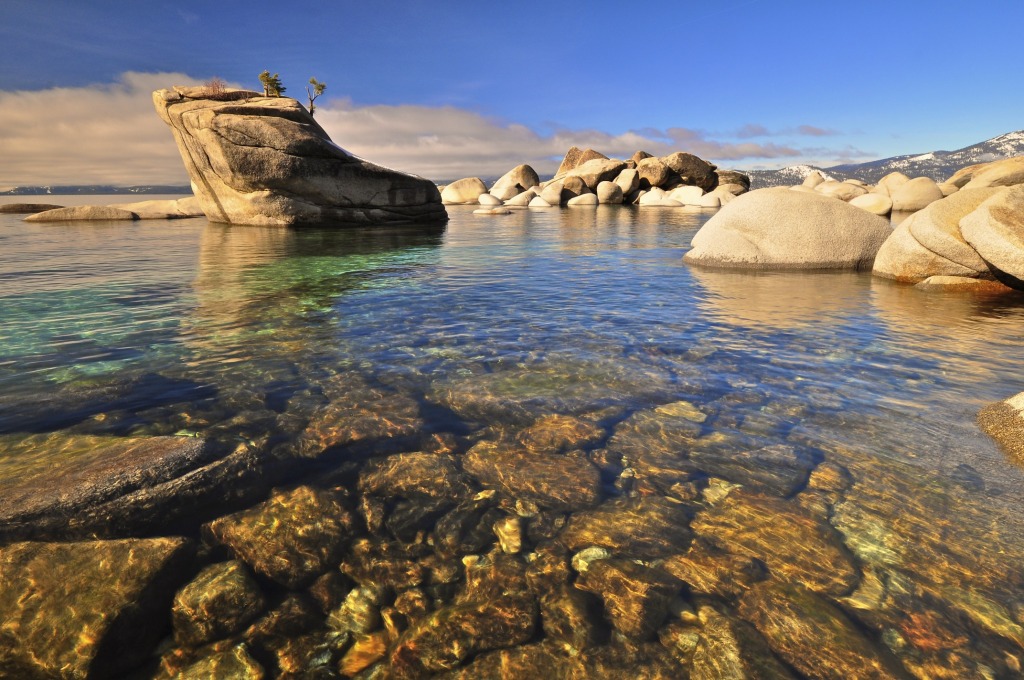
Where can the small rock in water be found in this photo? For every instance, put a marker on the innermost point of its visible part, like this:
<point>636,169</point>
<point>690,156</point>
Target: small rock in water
<point>415,475</point>
<point>581,560</point>
<point>813,636</point>
<point>636,598</point>
<point>217,603</point>
<point>647,528</point>
<point>365,651</point>
<point>728,648</point>
<point>291,538</point>
<point>509,531</point>
<point>560,482</point>
<point>559,433</point>
<point>359,614</point>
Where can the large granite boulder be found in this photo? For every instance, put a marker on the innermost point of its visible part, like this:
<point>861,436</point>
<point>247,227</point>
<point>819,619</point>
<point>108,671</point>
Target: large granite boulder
<point>89,609</point>
<point>996,231</point>
<point>915,194</point>
<point>929,243</point>
<point>691,170</point>
<point>519,178</point>
<point>597,170</point>
<point>465,190</point>
<point>1004,173</point>
<point>782,229</point>
<point>264,160</point>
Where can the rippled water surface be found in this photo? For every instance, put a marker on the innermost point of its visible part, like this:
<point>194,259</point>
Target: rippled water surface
<point>494,323</point>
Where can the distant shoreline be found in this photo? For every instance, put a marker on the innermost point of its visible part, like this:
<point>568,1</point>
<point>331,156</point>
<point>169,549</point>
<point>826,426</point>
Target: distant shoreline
<point>97,189</point>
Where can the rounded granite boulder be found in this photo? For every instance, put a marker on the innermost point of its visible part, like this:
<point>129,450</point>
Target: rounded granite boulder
<point>996,231</point>
<point>915,194</point>
<point>777,228</point>
<point>929,242</point>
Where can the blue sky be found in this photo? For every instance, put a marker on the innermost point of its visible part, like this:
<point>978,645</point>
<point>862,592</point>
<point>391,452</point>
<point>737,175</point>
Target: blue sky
<point>458,88</point>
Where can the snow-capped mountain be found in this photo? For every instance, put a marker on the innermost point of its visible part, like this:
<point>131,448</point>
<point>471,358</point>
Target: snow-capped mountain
<point>938,165</point>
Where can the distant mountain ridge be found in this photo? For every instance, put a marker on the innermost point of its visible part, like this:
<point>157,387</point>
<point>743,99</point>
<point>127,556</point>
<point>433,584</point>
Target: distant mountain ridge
<point>938,165</point>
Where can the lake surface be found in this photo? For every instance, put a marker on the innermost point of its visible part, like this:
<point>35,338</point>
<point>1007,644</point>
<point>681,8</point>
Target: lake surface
<point>498,323</point>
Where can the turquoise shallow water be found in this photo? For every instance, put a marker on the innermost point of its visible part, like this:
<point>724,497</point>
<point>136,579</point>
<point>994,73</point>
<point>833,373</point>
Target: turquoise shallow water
<point>242,333</point>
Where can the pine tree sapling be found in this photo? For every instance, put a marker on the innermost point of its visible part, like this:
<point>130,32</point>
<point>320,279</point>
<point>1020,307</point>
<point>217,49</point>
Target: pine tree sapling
<point>318,89</point>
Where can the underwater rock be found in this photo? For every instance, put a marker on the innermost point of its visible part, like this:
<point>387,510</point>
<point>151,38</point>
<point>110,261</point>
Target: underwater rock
<point>360,417</point>
<point>728,648</point>
<point>451,635</point>
<point>646,528</point>
<point>636,598</point>
<point>560,482</point>
<point>218,602</point>
<point>468,528</point>
<point>569,616</point>
<point>559,433</point>
<point>235,662</point>
<point>359,614</point>
<point>814,636</point>
<point>538,660</point>
<point>793,543</point>
<point>415,475</point>
<point>291,538</point>
<point>707,571</point>
<point>365,651</point>
<point>86,609</point>
<point>383,564</point>
<point>778,470</point>
<point>74,486</point>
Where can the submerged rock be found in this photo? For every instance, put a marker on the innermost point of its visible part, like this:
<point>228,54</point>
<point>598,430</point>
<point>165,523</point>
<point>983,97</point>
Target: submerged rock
<point>781,229</point>
<point>415,475</point>
<point>795,544</point>
<point>636,598</point>
<point>291,538</point>
<point>218,602</point>
<point>647,528</point>
<point>87,609</point>
<point>708,571</point>
<point>362,417</point>
<point>450,635</point>
<point>561,482</point>
<point>728,649</point>
<point>73,486</point>
<point>163,209</point>
<point>264,160</point>
<point>814,637</point>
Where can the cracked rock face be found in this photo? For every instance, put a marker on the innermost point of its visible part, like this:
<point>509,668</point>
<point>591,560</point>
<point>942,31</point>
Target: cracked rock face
<point>265,161</point>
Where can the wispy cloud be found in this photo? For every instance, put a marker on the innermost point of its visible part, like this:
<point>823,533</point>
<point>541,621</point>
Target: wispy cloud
<point>110,134</point>
<point>752,130</point>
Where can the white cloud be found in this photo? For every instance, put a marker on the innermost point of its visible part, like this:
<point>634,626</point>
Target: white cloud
<point>110,134</point>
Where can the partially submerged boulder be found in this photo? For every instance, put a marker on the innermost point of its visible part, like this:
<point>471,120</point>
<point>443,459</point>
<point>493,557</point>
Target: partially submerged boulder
<point>1004,422</point>
<point>929,243</point>
<point>996,231</point>
<point>163,209</point>
<point>782,229</point>
<point>81,213</point>
<point>26,208</point>
<point>265,161</point>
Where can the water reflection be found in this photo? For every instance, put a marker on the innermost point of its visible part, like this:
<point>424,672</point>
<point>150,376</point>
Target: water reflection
<point>779,300</point>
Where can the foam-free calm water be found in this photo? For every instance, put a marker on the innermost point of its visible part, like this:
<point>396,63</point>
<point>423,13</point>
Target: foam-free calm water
<point>228,328</point>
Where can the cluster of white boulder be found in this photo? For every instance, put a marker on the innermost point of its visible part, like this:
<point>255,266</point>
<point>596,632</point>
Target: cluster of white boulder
<point>589,178</point>
<point>965,232</point>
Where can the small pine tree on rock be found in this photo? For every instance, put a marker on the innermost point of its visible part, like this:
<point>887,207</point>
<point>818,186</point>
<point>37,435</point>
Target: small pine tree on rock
<point>272,86</point>
<point>318,89</point>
